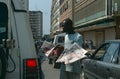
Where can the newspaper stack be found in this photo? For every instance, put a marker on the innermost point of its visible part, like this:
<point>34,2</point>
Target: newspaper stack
<point>73,54</point>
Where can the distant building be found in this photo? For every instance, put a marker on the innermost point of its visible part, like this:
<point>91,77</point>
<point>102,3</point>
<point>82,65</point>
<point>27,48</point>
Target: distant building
<point>36,23</point>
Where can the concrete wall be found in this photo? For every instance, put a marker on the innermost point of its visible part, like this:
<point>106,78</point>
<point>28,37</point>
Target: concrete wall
<point>90,35</point>
<point>109,34</point>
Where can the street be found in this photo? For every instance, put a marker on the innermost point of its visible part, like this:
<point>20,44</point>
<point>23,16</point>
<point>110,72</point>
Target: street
<point>49,72</point>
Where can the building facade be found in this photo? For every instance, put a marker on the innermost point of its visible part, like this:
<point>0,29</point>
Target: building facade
<point>97,20</point>
<point>55,17</point>
<point>65,9</point>
<point>36,24</point>
<point>60,10</point>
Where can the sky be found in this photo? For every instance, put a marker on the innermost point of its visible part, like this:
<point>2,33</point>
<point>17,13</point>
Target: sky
<point>45,7</point>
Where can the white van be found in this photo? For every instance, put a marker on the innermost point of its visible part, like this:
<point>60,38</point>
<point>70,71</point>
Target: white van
<point>59,39</point>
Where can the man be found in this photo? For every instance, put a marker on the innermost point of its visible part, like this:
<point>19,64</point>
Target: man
<point>73,70</point>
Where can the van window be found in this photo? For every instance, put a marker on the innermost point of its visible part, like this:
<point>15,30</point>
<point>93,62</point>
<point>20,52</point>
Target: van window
<point>3,21</point>
<point>61,39</point>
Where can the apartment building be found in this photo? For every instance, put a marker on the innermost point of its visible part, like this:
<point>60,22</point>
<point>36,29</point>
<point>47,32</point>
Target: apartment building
<point>65,9</point>
<point>55,16</point>
<point>97,20</point>
<point>36,24</point>
<point>60,10</point>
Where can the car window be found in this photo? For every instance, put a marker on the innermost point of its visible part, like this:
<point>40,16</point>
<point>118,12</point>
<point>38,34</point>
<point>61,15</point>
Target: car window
<point>101,51</point>
<point>61,39</point>
<point>115,59</point>
<point>110,53</point>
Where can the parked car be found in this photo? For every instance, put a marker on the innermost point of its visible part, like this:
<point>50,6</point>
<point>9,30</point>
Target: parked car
<point>104,63</point>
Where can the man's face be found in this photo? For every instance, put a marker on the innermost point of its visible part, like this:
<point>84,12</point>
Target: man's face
<point>64,29</point>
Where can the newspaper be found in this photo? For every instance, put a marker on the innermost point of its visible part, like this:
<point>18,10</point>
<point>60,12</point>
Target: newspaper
<point>47,44</point>
<point>49,52</point>
<point>61,58</point>
<point>55,51</point>
<point>73,54</point>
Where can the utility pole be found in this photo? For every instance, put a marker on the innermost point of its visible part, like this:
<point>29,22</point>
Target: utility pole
<point>117,20</point>
<point>117,27</point>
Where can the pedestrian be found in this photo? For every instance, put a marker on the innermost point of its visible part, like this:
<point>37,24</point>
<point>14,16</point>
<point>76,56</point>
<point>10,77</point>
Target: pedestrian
<point>73,70</point>
<point>37,47</point>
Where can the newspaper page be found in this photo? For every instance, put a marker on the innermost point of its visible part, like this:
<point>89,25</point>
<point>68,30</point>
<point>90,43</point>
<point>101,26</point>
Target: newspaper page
<point>61,58</point>
<point>47,44</point>
<point>76,54</point>
<point>73,54</point>
<point>49,51</point>
<point>54,51</point>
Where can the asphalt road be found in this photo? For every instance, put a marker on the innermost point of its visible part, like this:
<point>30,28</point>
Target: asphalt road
<point>49,72</point>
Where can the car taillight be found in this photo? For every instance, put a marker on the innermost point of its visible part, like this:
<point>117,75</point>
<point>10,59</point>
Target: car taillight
<point>31,70</point>
<point>31,63</point>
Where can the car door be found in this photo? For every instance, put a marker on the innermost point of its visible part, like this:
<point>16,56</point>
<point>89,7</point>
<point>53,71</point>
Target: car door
<point>99,67</point>
<point>91,66</point>
<point>112,61</point>
<point>105,65</point>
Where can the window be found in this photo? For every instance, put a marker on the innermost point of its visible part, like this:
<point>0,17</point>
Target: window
<point>61,39</point>
<point>66,6</point>
<point>3,21</point>
<point>76,1</point>
<point>116,59</point>
<point>61,1</point>
<point>110,53</point>
<point>101,51</point>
